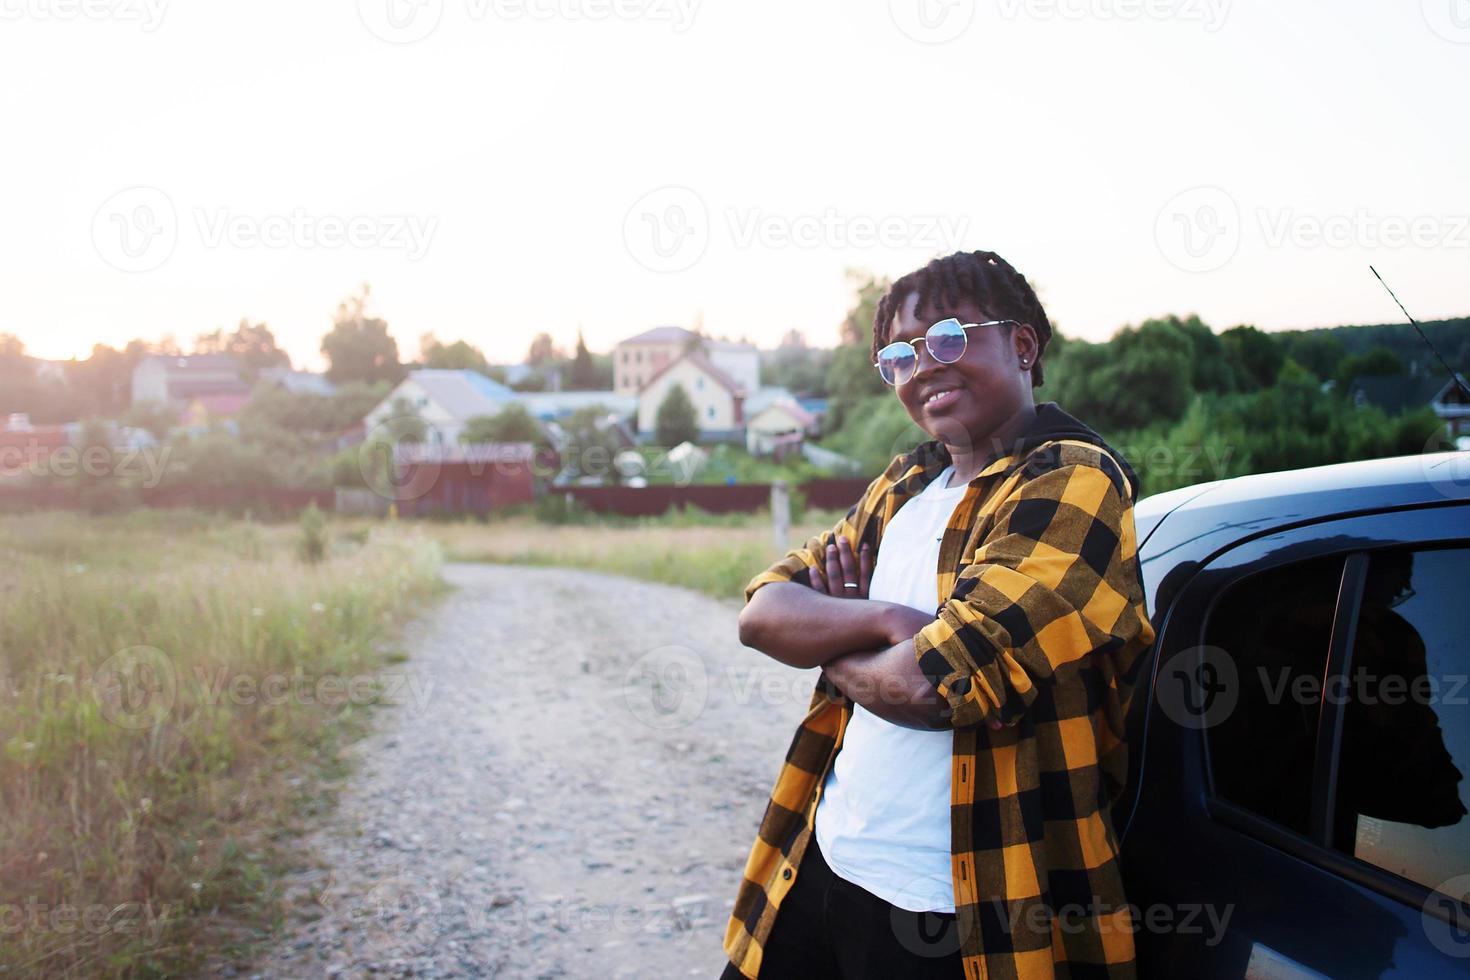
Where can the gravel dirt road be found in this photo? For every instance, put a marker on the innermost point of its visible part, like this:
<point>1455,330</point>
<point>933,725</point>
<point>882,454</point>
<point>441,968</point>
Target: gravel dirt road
<point>567,787</point>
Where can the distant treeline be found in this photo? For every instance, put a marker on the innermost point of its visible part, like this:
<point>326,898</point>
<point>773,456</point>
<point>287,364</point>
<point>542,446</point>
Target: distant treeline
<point>1186,404</point>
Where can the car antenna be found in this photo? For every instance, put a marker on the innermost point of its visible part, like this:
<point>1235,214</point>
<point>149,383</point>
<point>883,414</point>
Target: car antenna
<point>1454,375</point>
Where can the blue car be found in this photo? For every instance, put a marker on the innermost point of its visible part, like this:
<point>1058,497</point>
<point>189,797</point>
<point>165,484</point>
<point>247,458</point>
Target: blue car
<point>1297,801</point>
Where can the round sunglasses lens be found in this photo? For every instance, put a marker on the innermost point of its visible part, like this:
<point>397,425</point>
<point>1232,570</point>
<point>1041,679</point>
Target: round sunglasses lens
<point>896,363</point>
<point>946,340</point>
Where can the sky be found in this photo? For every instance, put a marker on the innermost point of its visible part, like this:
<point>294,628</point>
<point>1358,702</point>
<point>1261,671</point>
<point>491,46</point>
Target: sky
<point>496,168</point>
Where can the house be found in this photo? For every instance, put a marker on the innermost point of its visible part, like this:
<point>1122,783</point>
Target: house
<point>1401,392</point>
<point>779,427</point>
<point>297,382</point>
<point>179,380</point>
<point>445,399</point>
<point>716,396</point>
<point>638,359</point>
<point>554,406</point>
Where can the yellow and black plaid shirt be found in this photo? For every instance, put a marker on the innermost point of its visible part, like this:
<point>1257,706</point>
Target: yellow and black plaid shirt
<point>1041,624</point>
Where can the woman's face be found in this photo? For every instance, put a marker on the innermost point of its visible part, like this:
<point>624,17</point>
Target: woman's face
<point>963,403</point>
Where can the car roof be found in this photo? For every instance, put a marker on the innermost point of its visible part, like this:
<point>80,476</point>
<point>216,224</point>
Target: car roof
<point>1203,518</point>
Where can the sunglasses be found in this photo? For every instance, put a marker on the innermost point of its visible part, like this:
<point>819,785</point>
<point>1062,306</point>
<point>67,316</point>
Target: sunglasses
<point>946,343</point>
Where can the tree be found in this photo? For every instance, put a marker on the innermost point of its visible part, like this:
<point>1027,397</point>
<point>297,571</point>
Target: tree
<point>359,347</point>
<point>308,412</point>
<point>851,377</point>
<point>1377,362</point>
<point>1316,350</point>
<point>543,350</point>
<point>583,375</point>
<point>1255,356</point>
<point>253,345</point>
<point>404,424</point>
<point>1141,377</point>
<point>676,420</point>
<point>457,356</point>
<point>592,444</point>
<point>155,417</point>
<point>104,381</point>
<point>511,424</point>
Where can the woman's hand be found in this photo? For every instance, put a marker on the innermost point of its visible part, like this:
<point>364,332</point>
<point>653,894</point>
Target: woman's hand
<point>844,576</point>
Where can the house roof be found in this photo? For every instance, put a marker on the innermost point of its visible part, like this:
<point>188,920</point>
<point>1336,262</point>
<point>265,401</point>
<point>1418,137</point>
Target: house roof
<point>659,335</point>
<point>757,401</point>
<point>547,405</point>
<point>701,362</point>
<point>183,363</point>
<point>798,414</point>
<point>674,335</point>
<point>1400,392</point>
<point>299,382</point>
<point>817,406</point>
<point>463,393</point>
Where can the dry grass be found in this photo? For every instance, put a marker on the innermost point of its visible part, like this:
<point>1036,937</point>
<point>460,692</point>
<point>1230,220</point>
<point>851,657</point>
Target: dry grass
<point>163,724</point>
<point>716,556</point>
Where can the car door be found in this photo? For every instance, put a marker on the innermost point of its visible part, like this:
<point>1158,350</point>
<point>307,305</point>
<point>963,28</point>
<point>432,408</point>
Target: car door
<point>1290,822</point>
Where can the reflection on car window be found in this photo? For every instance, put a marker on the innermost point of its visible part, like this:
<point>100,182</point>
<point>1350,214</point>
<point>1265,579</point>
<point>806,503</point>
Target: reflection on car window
<point>1276,629</point>
<point>1406,729</point>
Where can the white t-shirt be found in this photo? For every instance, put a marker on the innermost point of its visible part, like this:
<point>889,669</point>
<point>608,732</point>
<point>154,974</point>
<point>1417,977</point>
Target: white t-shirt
<point>883,821</point>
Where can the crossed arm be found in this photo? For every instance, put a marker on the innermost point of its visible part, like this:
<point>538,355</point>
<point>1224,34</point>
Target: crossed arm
<point>865,647</point>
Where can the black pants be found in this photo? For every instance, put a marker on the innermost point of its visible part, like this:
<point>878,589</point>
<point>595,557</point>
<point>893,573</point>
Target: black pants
<point>827,927</point>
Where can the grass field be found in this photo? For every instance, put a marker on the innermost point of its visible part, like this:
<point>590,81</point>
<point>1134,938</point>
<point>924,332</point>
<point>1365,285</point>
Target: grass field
<point>716,555</point>
<point>173,690</point>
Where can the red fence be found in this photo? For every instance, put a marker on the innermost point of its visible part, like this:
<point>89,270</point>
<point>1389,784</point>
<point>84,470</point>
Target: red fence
<point>715,498</point>
<point>261,499</point>
<point>453,490</point>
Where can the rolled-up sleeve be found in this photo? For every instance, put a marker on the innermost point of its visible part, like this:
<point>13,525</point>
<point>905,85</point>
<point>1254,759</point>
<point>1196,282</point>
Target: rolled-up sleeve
<point>1054,581</point>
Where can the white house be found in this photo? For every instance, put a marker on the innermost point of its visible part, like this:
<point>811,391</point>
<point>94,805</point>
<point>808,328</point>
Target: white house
<point>445,399</point>
<point>637,359</point>
<point>716,395</point>
<point>781,424</point>
<point>183,378</point>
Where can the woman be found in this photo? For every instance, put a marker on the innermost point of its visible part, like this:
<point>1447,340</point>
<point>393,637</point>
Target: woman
<point>978,617</point>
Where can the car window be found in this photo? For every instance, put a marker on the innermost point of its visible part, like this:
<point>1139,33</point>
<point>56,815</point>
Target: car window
<point>1269,638</point>
<point>1401,792</point>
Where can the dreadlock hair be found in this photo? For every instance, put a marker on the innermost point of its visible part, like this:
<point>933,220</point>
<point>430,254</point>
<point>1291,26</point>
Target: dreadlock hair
<point>985,279</point>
